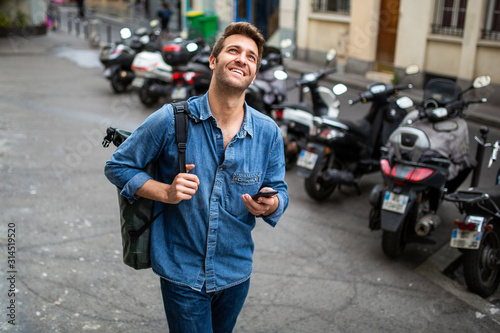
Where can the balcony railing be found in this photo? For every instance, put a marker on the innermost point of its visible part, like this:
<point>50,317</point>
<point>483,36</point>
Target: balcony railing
<point>490,34</point>
<point>449,31</point>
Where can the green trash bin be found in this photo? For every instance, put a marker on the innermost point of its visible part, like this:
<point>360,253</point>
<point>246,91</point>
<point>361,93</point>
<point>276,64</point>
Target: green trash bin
<point>201,25</point>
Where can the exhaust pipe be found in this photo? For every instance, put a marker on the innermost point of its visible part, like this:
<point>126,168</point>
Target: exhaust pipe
<point>340,177</point>
<point>427,224</point>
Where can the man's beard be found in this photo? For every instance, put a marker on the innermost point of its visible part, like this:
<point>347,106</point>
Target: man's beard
<point>227,85</point>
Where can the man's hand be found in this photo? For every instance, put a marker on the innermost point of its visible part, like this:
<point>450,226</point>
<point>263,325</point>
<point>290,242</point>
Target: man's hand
<point>263,206</point>
<point>183,187</point>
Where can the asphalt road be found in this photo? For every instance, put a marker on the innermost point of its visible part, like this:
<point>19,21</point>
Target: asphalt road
<point>320,270</point>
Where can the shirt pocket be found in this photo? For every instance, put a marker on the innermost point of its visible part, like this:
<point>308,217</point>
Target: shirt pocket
<point>240,184</point>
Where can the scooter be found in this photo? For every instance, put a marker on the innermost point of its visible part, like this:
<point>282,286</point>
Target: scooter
<point>118,57</point>
<point>340,151</point>
<point>296,120</point>
<point>424,158</point>
<point>192,79</point>
<point>154,69</point>
<point>477,234</point>
<point>269,87</point>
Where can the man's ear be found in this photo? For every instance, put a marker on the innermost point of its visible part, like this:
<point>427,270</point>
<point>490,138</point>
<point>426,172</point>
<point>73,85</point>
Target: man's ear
<point>212,61</point>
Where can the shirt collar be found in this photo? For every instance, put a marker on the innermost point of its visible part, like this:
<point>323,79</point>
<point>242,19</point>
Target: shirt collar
<point>204,113</point>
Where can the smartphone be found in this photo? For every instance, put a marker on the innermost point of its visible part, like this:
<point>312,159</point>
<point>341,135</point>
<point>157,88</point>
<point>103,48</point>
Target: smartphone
<point>266,194</point>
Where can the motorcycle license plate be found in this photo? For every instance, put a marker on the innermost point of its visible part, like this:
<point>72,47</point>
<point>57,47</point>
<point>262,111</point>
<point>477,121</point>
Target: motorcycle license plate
<point>394,202</point>
<point>179,93</point>
<point>307,159</point>
<point>138,82</point>
<point>284,130</point>
<point>466,239</point>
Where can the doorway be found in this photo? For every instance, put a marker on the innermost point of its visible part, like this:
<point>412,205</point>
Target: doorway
<point>387,34</point>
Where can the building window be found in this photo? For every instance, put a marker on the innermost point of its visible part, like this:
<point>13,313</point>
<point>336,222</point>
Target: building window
<point>449,18</point>
<point>492,28</point>
<point>338,6</point>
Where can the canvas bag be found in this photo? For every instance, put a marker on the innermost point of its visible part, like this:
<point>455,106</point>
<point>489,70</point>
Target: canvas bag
<point>136,218</point>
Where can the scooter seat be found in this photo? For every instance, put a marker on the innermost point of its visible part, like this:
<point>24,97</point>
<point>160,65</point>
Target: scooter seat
<point>359,127</point>
<point>299,106</point>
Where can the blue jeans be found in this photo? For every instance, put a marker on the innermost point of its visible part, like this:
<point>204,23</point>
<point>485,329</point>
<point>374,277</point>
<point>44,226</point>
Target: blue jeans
<point>191,311</point>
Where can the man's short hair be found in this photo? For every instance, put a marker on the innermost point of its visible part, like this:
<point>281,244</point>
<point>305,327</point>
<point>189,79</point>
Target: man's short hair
<point>241,28</point>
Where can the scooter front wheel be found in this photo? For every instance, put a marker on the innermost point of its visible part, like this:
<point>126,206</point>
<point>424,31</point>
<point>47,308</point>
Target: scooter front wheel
<point>317,185</point>
<point>482,266</point>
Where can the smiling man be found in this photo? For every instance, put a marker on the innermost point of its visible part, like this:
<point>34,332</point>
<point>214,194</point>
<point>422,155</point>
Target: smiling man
<point>202,247</point>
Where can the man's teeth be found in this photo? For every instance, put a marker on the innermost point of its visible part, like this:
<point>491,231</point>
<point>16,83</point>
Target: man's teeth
<point>238,71</point>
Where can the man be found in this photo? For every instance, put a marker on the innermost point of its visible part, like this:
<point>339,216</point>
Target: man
<point>201,247</point>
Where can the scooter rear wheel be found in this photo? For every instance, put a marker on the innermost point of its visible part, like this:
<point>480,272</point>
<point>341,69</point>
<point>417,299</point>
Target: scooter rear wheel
<point>145,95</point>
<point>394,242</point>
<point>317,186</point>
<point>482,266</point>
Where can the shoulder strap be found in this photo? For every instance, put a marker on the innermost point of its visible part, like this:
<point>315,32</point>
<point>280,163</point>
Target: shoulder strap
<point>181,131</point>
<point>181,112</point>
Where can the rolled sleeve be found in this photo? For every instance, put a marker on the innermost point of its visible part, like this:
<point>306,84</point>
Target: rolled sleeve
<point>133,185</point>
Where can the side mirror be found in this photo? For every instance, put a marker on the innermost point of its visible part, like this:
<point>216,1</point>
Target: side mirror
<point>286,43</point>
<point>404,102</point>
<point>412,69</point>
<point>331,54</point>
<point>339,89</point>
<point>125,33</point>
<point>481,81</point>
<point>280,75</point>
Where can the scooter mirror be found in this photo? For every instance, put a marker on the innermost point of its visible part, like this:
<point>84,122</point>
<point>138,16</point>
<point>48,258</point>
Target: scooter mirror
<point>125,33</point>
<point>331,54</point>
<point>404,102</point>
<point>481,81</point>
<point>339,89</point>
<point>285,43</point>
<point>412,69</point>
<point>280,75</point>
<point>192,47</point>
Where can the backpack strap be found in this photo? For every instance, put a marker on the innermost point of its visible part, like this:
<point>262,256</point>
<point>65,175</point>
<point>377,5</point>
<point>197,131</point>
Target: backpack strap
<point>181,131</point>
<point>181,112</point>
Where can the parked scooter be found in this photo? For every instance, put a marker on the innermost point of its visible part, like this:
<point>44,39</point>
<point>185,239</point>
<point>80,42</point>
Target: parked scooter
<point>118,57</point>
<point>269,86</point>
<point>296,120</point>
<point>477,235</point>
<point>192,79</point>
<point>425,157</point>
<point>340,151</point>
<point>154,69</point>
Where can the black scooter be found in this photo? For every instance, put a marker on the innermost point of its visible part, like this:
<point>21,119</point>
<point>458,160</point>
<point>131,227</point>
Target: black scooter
<point>118,57</point>
<point>340,151</point>
<point>424,158</point>
<point>477,234</point>
<point>269,86</point>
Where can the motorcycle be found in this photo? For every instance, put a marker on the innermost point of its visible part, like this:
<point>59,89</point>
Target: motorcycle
<point>341,151</point>
<point>118,57</point>
<point>154,69</point>
<point>425,157</point>
<point>269,86</point>
<point>296,120</point>
<point>477,235</point>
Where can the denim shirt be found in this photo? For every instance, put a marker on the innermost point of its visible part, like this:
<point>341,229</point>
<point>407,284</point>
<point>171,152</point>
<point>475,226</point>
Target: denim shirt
<point>205,240</point>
